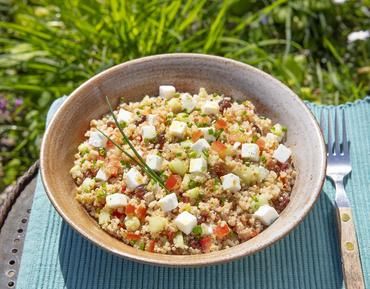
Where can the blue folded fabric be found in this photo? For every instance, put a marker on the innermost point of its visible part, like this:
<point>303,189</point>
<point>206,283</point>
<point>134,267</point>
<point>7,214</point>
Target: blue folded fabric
<point>56,257</point>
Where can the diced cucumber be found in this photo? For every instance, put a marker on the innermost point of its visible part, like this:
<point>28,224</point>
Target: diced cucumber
<point>132,223</point>
<point>157,224</point>
<point>193,194</point>
<point>178,166</point>
<point>104,217</point>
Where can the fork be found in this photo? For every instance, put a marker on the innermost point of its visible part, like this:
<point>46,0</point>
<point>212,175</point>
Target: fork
<point>338,167</point>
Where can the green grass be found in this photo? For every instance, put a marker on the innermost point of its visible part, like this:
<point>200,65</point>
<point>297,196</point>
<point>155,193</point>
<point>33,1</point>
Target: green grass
<point>48,48</point>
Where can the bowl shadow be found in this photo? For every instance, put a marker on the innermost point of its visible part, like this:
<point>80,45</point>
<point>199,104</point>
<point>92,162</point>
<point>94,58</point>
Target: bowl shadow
<point>307,258</point>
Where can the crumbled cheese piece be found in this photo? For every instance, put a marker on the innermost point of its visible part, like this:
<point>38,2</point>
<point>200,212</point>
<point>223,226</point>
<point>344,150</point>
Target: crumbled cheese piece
<point>125,116</point>
<point>167,91</point>
<point>200,145</point>
<point>101,175</point>
<point>154,162</point>
<point>177,128</point>
<point>231,182</point>
<point>266,214</point>
<point>116,200</point>
<point>134,179</point>
<point>210,107</point>
<point>185,222</point>
<point>187,102</point>
<point>152,119</point>
<point>97,139</point>
<point>168,203</point>
<point>148,132</point>
<point>198,165</point>
<point>250,151</point>
<point>282,153</point>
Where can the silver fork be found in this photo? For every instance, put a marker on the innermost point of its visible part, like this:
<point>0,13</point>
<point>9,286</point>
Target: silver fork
<point>338,167</point>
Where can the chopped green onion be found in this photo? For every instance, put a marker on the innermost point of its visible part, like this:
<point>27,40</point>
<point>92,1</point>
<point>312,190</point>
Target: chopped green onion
<point>197,230</point>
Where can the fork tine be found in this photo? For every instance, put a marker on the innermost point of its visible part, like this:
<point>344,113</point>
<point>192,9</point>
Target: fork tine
<point>336,131</point>
<point>344,135</point>
<point>330,144</point>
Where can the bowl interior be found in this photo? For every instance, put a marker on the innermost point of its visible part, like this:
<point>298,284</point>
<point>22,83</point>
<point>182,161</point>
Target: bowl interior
<point>187,72</point>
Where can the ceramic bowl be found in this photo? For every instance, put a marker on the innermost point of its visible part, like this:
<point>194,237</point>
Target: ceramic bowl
<point>187,72</point>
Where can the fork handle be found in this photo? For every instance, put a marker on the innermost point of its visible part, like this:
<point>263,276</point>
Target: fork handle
<point>351,263</point>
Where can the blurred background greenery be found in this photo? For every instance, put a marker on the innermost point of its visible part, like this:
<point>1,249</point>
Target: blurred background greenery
<point>48,48</point>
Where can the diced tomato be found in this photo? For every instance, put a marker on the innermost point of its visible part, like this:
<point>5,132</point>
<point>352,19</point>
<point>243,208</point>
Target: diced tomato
<point>173,182</point>
<point>254,233</point>
<point>151,246</point>
<point>123,188</point>
<point>205,243</point>
<point>118,214</point>
<point>170,235</point>
<point>109,144</point>
<point>130,209</point>
<point>141,213</point>
<point>220,124</point>
<point>261,143</point>
<point>196,135</point>
<point>220,148</point>
<point>221,231</point>
<point>132,236</point>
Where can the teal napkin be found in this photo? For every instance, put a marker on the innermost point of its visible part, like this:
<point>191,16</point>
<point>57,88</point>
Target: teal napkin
<point>55,256</point>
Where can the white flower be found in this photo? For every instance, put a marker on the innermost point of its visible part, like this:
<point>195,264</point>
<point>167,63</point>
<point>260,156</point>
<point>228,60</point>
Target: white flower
<point>339,1</point>
<point>358,35</point>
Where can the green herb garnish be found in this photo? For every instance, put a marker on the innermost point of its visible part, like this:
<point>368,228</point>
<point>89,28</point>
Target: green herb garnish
<point>197,230</point>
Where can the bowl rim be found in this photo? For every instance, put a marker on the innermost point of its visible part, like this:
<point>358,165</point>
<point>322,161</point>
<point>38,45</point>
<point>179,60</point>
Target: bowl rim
<point>186,260</point>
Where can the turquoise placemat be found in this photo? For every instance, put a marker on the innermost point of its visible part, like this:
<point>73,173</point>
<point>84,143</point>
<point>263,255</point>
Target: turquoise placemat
<point>56,257</point>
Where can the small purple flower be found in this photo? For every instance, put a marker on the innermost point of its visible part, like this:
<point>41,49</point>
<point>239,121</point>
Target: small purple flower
<point>3,104</point>
<point>18,102</point>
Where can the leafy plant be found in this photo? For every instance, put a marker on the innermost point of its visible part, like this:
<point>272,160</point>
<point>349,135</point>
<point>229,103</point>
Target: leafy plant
<point>48,48</point>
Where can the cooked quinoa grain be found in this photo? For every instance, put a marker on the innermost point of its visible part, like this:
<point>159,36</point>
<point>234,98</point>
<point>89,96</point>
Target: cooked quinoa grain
<point>227,172</point>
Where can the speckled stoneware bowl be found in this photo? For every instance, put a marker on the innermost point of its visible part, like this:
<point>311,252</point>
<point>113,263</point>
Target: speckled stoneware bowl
<point>187,72</point>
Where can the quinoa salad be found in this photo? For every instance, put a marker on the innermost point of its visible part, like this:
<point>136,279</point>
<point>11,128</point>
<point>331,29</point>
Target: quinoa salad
<point>225,173</point>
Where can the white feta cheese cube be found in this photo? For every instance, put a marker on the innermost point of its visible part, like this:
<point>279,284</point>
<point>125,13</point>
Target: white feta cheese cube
<point>87,184</point>
<point>200,145</point>
<point>198,165</point>
<point>168,203</point>
<point>125,116</point>
<point>282,153</point>
<point>101,175</point>
<point>250,151</point>
<point>185,222</point>
<point>97,139</point>
<point>210,107</point>
<point>152,119</point>
<point>148,131</point>
<point>231,182</point>
<point>266,214</point>
<point>134,179</point>
<point>167,91</point>
<point>116,200</point>
<point>177,128</point>
<point>187,102</point>
<point>208,133</point>
<point>154,162</point>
